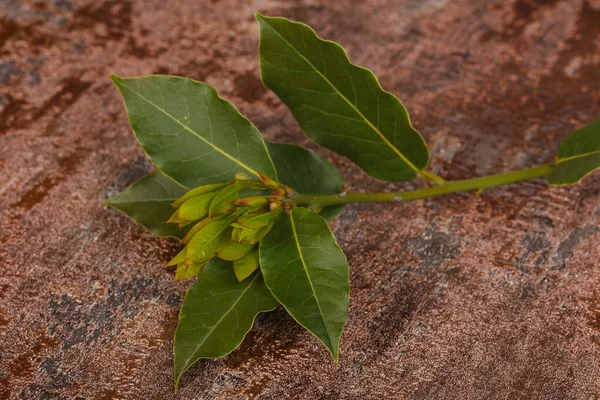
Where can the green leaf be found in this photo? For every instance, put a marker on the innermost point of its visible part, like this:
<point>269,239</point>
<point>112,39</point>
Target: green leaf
<point>578,156</point>
<point>339,105</point>
<point>147,202</point>
<point>191,134</point>
<point>245,266</point>
<point>217,313</point>
<point>307,272</point>
<point>306,173</point>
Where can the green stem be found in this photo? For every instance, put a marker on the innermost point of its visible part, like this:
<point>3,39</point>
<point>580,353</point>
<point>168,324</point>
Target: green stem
<point>481,183</point>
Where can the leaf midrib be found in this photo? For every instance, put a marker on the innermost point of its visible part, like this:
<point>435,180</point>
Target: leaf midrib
<point>308,276</point>
<point>565,159</point>
<point>386,141</point>
<point>191,130</point>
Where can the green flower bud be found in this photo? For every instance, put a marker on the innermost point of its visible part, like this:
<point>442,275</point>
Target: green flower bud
<point>253,236</point>
<point>185,270</point>
<point>197,191</point>
<point>196,228</point>
<point>232,250</point>
<point>245,266</point>
<point>178,259</point>
<point>279,192</point>
<point>226,197</point>
<point>174,218</point>
<point>240,176</point>
<point>270,183</point>
<point>205,243</point>
<point>195,208</point>
<point>262,232</point>
<point>235,234</point>
<point>254,201</point>
<point>274,204</point>
<point>289,191</point>
<point>255,221</point>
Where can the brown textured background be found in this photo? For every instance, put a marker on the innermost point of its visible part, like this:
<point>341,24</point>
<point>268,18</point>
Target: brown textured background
<point>462,297</point>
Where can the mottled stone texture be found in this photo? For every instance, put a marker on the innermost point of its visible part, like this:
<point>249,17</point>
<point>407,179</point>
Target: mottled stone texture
<point>463,297</point>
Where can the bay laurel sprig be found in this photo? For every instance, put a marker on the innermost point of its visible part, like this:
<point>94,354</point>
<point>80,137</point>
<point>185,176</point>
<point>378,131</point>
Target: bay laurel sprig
<point>252,215</point>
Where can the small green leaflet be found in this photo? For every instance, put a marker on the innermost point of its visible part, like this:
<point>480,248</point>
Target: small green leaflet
<point>191,134</point>
<point>224,199</point>
<point>255,221</point>
<point>578,156</point>
<point>306,173</point>
<point>196,207</point>
<point>231,250</point>
<point>205,243</point>
<point>186,271</point>
<point>147,202</point>
<point>245,266</point>
<point>307,272</point>
<point>217,313</point>
<point>197,192</point>
<point>339,105</point>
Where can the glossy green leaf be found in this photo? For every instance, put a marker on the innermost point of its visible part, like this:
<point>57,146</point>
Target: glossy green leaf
<point>306,173</point>
<point>191,134</point>
<point>147,202</point>
<point>245,266</point>
<point>307,272</point>
<point>217,313</point>
<point>339,105</point>
<point>578,156</point>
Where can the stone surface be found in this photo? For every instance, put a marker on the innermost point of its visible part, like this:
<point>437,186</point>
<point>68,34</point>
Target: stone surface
<point>472,297</point>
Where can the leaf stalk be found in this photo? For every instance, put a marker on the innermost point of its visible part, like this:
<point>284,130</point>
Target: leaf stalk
<point>447,187</point>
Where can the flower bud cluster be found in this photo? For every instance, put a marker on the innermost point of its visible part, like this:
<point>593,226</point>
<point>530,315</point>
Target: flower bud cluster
<point>229,220</point>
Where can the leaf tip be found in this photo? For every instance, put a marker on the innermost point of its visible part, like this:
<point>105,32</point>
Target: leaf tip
<point>336,358</point>
<point>116,79</point>
<point>177,379</point>
<point>263,20</point>
<point>335,352</point>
